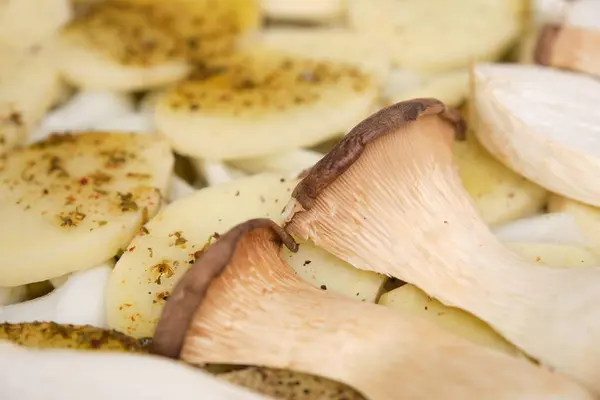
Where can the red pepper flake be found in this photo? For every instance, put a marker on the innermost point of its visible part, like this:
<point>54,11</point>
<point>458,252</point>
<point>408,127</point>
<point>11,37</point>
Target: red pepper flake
<point>132,248</point>
<point>83,181</point>
<point>95,343</point>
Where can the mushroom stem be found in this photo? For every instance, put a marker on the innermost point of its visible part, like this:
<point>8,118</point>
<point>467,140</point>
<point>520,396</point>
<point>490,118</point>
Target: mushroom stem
<point>388,199</point>
<point>79,301</point>
<point>241,304</point>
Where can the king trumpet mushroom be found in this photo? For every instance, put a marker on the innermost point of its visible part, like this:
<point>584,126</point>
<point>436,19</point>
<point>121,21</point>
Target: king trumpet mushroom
<point>574,43</point>
<point>388,199</point>
<point>239,296</point>
<point>517,118</point>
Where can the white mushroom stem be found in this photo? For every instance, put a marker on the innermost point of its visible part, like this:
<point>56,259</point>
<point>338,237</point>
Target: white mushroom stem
<point>78,301</point>
<point>52,374</point>
<point>12,295</point>
<point>559,228</point>
<point>215,172</point>
<point>179,188</point>
<point>82,112</point>
<point>289,163</point>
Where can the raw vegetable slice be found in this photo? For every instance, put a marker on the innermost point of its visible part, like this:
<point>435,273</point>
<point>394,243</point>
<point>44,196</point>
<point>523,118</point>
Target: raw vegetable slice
<point>500,195</point>
<point>308,11</point>
<point>72,201</point>
<point>262,102</point>
<point>141,44</point>
<point>29,86</point>
<point>290,163</point>
<point>454,35</point>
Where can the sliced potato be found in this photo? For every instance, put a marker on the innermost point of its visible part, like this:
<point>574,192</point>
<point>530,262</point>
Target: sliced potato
<point>587,217</point>
<point>232,108</point>
<point>25,23</point>
<point>556,255</point>
<point>320,11</point>
<point>331,44</point>
<point>560,228</point>
<point>290,163</point>
<point>450,87</point>
<point>78,199</point>
<point>140,44</point>
<point>436,35</point>
<point>461,323</point>
<point>326,271</point>
<point>145,275</point>
<point>500,194</point>
<point>81,337</point>
<point>284,384</point>
<point>29,86</point>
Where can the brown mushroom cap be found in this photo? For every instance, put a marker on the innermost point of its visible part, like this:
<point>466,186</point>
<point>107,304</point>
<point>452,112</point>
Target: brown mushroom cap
<point>350,148</point>
<point>191,289</point>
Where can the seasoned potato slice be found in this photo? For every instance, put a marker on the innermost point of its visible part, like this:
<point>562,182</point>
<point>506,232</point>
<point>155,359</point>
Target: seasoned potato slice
<point>72,201</point>
<point>500,195</point>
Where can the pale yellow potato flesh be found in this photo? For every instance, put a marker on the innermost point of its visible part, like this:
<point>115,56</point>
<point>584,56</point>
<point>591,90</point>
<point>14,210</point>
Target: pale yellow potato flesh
<point>72,201</point>
<point>586,216</point>
<point>500,195</point>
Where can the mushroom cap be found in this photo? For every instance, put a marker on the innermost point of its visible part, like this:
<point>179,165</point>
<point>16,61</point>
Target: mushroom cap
<point>231,109</point>
<point>77,199</point>
<point>348,150</point>
<point>515,117</point>
<point>189,293</point>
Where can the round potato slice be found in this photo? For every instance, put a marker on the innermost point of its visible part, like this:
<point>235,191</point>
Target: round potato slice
<point>263,102</point>
<point>145,275</point>
<point>25,23</point>
<point>500,195</point>
<point>141,44</point>
<point>29,86</point>
<point>72,201</point>
<point>438,35</point>
<point>331,44</point>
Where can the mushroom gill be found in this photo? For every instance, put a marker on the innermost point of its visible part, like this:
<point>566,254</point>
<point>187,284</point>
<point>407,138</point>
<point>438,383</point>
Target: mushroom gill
<point>241,304</point>
<point>388,199</point>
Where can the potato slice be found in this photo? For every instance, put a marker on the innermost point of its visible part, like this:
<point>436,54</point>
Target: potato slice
<point>450,87</point>
<point>25,23</point>
<point>555,254</point>
<point>561,228</point>
<point>412,299</point>
<point>232,109</point>
<point>330,44</point>
<point>290,163</point>
<point>320,11</point>
<point>284,384</point>
<point>70,202</point>
<point>436,35</point>
<point>141,44</point>
<point>326,271</point>
<point>29,86</point>
<point>500,195</point>
<point>145,275</point>
<point>586,216</point>
<point>47,335</point>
